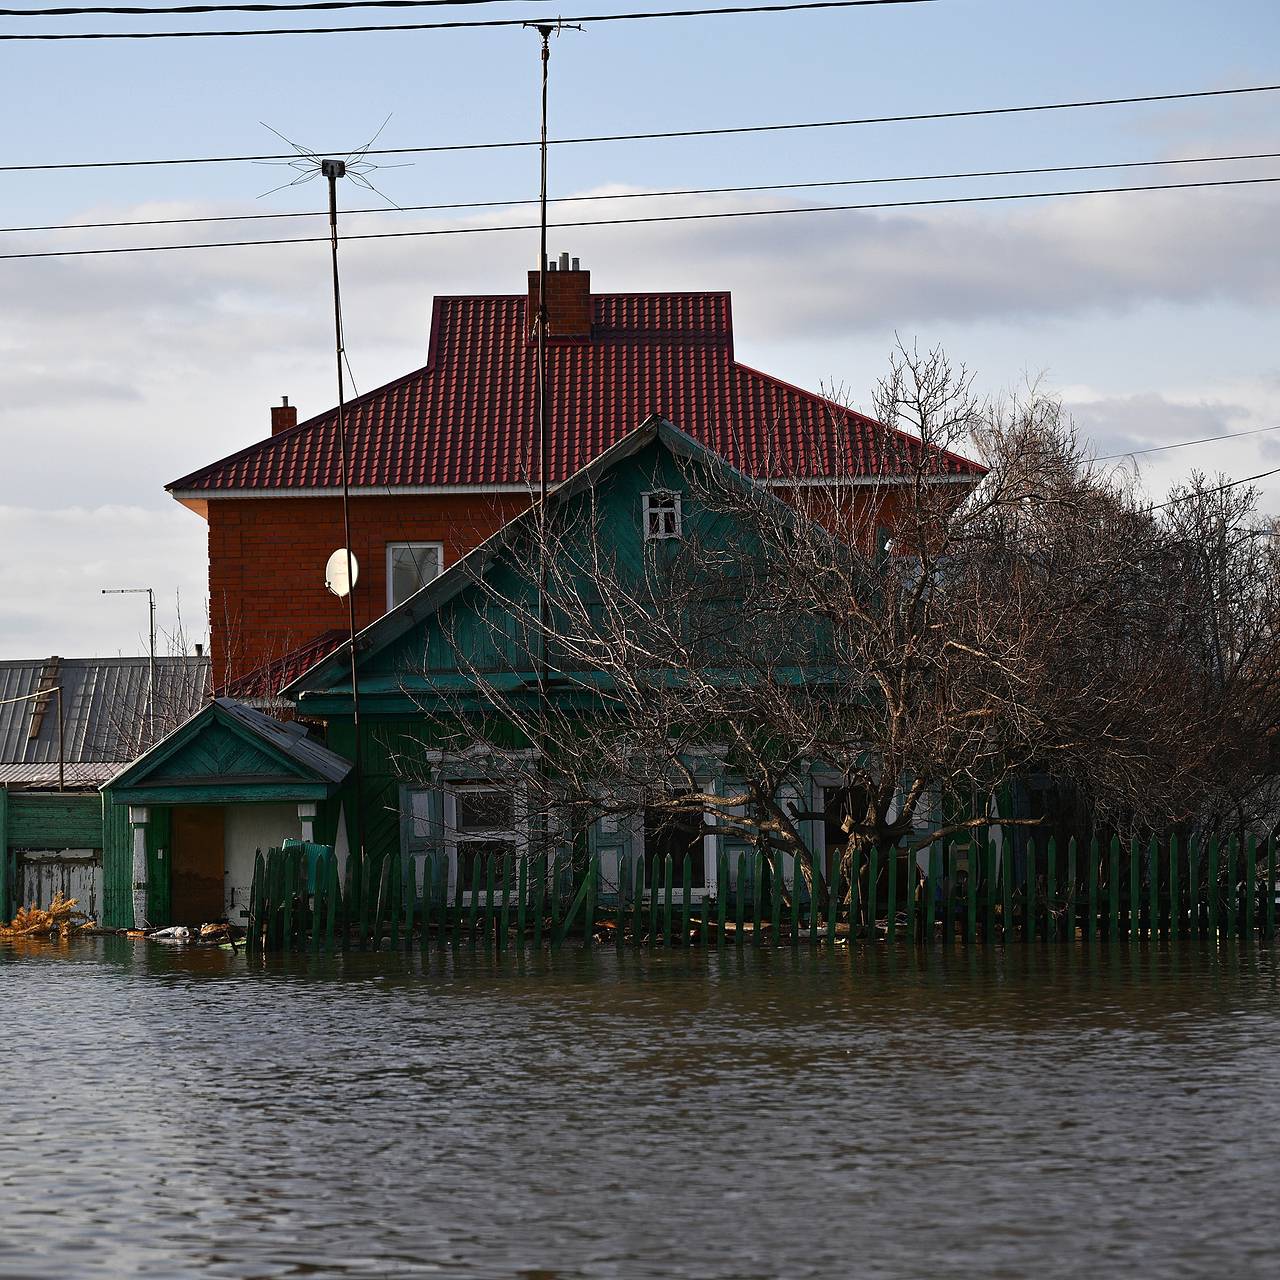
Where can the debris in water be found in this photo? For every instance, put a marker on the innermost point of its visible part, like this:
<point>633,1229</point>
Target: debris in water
<point>61,917</point>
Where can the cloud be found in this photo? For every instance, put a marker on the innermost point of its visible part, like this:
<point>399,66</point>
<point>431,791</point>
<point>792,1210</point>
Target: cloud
<point>1117,424</point>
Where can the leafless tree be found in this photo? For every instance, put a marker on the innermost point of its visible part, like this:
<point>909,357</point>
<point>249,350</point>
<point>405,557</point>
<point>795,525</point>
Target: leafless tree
<point>923,633</point>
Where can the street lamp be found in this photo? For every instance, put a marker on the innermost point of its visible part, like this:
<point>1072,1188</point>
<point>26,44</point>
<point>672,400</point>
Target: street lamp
<point>151,651</point>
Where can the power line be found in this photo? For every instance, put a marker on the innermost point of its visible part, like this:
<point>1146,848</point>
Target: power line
<point>1186,444</point>
<point>652,195</point>
<point>463,24</point>
<point>1230,484</point>
<point>674,217</point>
<point>659,136</point>
<point>969,113</point>
<point>304,6</point>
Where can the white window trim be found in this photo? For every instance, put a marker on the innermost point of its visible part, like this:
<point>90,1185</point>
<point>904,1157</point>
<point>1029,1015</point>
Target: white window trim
<point>438,547</point>
<point>647,509</point>
<point>519,835</point>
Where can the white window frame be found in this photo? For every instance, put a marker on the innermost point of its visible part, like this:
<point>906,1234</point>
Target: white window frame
<point>518,834</point>
<point>649,510</point>
<point>710,852</point>
<point>392,547</point>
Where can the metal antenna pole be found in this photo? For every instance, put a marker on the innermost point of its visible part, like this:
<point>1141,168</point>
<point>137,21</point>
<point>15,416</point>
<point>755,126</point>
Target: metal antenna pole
<point>544,449</point>
<point>151,650</point>
<point>332,171</point>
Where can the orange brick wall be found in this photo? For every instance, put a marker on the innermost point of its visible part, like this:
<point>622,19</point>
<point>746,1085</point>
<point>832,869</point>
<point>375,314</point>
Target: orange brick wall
<point>267,558</point>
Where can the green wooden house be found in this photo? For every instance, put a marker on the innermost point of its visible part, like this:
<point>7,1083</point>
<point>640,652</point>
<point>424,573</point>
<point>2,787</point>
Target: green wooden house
<point>421,798</point>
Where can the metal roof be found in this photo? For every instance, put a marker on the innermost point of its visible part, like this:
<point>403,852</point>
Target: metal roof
<point>289,738</point>
<point>105,710</point>
<point>467,418</point>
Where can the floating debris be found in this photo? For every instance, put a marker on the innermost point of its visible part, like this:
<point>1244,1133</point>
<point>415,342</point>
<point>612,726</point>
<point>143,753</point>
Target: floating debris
<point>60,917</point>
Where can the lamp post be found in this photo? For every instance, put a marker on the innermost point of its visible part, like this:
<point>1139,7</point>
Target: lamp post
<point>151,651</point>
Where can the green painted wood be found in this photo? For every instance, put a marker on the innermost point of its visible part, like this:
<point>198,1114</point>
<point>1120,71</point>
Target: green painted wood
<point>1113,890</point>
<point>1008,926</point>
<point>1051,918</point>
<point>253,941</point>
<point>1029,894</point>
<point>796,881</point>
<point>333,904</point>
<point>428,902</point>
<point>833,902</point>
<point>504,924</point>
<point>1251,886</point>
<point>951,860</point>
<point>1231,872</point>
<point>637,904</point>
<point>385,916</point>
<point>1135,888</point>
<point>409,898</point>
<point>932,878</point>
<point>488,901</point>
<point>668,874</point>
<point>315,934</point>
<point>740,901</point>
<point>540,896</point>
<point>1174,914</point>
<point>775,897</point>
<point>7,888</point>
<point>53,820</point>
<point>1214,919</point>
<point>1153,888</point>
<point>288,880</point>
<point>576,907</point>
<point>989,880</point>
<point>589,908</point>
<point>1193,887</point>
<point>1070,906</point>
<point>1271,887</point>
<point>523,892</point>
<point>913,890</point>
<point>757,893</point>
<point>1091,926</point>
<point>557,878</point>
<point>722,895</point>
<point>873,893</point>
<point>687,871</point>
<point>971,893</point>
<point>459,890</point>
<point>891,905</point>
<point>477,897</point>
<point>655,902</point>
<point>394,873</point>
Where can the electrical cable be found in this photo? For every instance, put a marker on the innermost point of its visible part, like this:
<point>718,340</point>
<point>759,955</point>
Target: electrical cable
<point>970,113</point>
<point>1186,444</point>
<point>1230,484</point>
<point>653,195</point>
<point>139,11</point>
<point>674,217</point>
<point>462,24</point>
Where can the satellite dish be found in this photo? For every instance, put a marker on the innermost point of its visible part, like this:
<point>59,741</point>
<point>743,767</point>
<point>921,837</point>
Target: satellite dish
<point>335,573</point>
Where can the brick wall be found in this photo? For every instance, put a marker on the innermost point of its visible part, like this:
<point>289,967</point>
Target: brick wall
<point>267,558</point>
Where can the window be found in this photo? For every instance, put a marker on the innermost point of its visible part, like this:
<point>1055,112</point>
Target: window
<point>661,515</point>
<point>666,834</point>
<point>481,822</point>
<point>410,566</point>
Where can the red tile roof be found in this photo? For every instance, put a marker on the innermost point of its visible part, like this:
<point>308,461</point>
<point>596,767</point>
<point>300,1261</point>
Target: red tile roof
<point>467,417</point>
<point>262,683</point>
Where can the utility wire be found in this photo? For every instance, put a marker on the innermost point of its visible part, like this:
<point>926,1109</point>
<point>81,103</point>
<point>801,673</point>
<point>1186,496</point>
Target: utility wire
<point>305,6</point>
<point>656,218</point>
<point>465,24</point>
<point>1230,484</point>
<point>1186,444</point>
<point>653,195</point>
<point>970,113</point>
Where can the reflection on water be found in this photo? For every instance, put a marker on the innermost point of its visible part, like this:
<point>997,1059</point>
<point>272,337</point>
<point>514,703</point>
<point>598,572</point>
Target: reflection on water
<point>1039,1111</point>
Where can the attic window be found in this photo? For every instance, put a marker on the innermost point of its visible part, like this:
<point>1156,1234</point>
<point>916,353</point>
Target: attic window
<point>410,566</point>
<point>661,515</point>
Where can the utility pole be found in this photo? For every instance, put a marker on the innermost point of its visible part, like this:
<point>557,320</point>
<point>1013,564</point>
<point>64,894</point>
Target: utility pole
<point>332,170</point>
<point>151,652</point>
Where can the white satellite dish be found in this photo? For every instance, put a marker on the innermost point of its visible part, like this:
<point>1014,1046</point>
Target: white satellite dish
<point>335,573</point>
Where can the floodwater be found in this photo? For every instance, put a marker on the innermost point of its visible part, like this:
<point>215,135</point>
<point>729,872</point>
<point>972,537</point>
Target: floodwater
<point>1041,1111</point>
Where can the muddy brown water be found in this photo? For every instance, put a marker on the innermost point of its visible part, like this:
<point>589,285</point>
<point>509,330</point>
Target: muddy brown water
<point>1042,1111</point>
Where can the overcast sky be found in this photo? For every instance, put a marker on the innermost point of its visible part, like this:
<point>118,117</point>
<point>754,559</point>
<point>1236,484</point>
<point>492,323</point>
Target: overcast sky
<point>1153,315</point>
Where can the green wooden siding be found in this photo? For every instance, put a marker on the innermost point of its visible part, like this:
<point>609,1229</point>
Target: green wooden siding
<point>54,820</point>
<point>117,866</point>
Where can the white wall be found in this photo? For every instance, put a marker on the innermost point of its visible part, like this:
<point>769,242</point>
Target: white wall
<point>248,828</point>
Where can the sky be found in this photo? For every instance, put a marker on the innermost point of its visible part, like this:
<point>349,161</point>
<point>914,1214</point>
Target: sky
<point>1152,315</point>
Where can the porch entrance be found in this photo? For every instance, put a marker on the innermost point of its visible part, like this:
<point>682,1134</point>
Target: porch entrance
<point>197,839</point>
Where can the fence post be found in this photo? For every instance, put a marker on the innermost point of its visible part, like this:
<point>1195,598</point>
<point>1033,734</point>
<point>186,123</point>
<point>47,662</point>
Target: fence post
<point>722,895</point>
<point>930,891</point>
<point>912,876</point>
<point>1251,880</point>
<point>1094,855</point>
<point>740,901</point>
<point>796,881</point>
<point>1008,928</point>
<point>504,923</point>
<point>1153,888</point>
<point>1071,889</point>
<point>1175,892</point>
<point>1213,888</point>
<point>757,894</point>
<point>540,894</point>
<point>589,920</point>
<point>1113,887</point>
<point>873,892</point>
<point>1135,888</point>
<point>833,901</point>
<point>686,873</point>
<point>637,905</point>
<point>1051,890</point>
<point>891,895</point>
<point>971,894</point>
<point>1271,887</point>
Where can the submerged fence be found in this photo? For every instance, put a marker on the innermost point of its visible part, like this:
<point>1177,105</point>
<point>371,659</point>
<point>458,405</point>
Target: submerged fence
<point>961,894</point>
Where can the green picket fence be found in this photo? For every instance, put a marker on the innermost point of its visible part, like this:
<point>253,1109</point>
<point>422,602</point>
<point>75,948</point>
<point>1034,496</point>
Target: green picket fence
<point>958,893</point>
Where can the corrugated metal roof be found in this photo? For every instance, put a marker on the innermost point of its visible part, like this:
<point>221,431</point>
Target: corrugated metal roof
<point>105,707</point>
<point>468,417</point>
<point>44,777</point>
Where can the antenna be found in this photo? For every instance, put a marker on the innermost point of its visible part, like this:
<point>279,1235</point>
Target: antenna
<point>341,571</point>
<point>151,652</point>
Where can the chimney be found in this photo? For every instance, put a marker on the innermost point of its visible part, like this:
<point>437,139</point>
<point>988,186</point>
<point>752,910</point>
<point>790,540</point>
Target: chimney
<point>568,299</point>
<point>283,416</point>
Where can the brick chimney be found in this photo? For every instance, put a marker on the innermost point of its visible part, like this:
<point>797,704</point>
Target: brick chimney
<point>568,299</point>
<point>283,416</point>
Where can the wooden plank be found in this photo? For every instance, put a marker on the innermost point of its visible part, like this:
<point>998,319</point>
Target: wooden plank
<point>686,873</point>
<point>1029,894</point>
<point>459,889</point>
<point>1008,926</point>
<point>932,877</point>
<point>913,888</point>
<point>989,879</point>
<point>7,909</point>
<point>1251,886</point>
<point>740,900</point>
<point>873,893</point>
<point>668,881</point>
<point>561,930</point>
<point>833,901</point>
<point>950,858</point>
<point>54,820</point>
<point>589,907</point>
<point>1153,888</point>
<point>523,897</point>
<point>1113,890</point>
<point>796,881</point>
<point>287,881</point>
<point>488,902</point>
<point>971,892</point>
<point>1193,886</point>
<point>540,895</point>
<point>1091,927</point>
<point>408,898</point>
<point>757,893</point>
<point>1174,914</point>
<point>1214,921</point>
<point>637,905</point>
<point>775,897</point>
<point>722,895</point>
<point>504,923</point>
<point>891,908</point>
<point>253,942</point>
<point>1135,887</point>
<point>1070,911</point>
<point>334,904</point>
<point>1051,915</point>
<point>1271,887</point>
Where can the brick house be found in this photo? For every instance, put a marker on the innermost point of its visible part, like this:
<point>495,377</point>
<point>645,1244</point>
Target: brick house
<point>445,455</point>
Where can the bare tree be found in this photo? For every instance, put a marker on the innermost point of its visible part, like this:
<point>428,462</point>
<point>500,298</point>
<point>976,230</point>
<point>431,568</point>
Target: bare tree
<point>923,633</point>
